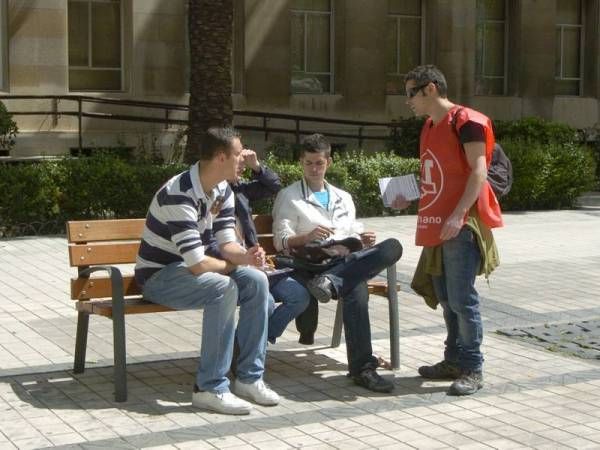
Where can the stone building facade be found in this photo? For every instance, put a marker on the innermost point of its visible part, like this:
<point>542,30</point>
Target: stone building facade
<point>326,58</point>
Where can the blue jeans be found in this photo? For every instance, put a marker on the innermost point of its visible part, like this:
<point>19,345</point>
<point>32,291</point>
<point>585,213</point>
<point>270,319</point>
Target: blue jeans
<point>455,290</point>
<point>294,300</point>
<point>349,279</point>
<point>218,295</point>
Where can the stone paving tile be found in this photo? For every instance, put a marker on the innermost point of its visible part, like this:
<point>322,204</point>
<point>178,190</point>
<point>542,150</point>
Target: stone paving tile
<point>532,398</point>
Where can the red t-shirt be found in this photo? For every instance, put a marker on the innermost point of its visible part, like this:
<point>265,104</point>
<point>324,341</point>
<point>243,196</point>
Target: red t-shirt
<point>444,174</point>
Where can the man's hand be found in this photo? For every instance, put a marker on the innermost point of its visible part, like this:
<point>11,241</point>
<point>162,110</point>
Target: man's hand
<point>400,202</point>
<point>250,159</point>
<point>256,256</point>
<point>368,238</point>
<point>321,232</point>
<point>452,227</point>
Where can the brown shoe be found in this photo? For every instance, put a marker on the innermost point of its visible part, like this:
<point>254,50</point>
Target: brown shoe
<point>469,382</point>
<point>444,370</point>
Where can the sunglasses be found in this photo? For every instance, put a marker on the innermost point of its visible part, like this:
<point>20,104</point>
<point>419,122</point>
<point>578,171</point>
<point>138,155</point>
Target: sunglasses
<point>411,92</point>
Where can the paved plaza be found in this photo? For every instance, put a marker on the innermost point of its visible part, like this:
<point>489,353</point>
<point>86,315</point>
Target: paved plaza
<point>533,397</point>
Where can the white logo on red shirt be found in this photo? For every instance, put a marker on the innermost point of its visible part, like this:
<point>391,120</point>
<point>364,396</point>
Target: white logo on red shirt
<point>432,180</point>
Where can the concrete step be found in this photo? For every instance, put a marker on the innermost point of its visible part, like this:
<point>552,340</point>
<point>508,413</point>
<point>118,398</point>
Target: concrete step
<point>589,200</point>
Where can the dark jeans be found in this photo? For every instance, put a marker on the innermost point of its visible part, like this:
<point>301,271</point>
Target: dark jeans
<point>456,292</point>
<point>349,279</point>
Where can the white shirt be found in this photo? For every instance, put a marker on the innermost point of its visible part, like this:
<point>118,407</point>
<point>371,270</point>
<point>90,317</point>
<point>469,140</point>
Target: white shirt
<point>297,211</point>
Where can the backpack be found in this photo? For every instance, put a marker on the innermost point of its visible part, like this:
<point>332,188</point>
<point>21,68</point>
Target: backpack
<point>500,172</point>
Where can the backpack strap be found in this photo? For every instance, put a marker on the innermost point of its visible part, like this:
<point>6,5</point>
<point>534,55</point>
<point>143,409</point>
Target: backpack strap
<point>454,126</point>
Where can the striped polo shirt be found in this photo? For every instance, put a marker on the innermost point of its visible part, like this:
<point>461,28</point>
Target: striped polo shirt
<point>180,221</point>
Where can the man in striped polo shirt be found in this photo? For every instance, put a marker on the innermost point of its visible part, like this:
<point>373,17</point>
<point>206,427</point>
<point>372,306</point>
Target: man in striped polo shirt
<point>173,270</point>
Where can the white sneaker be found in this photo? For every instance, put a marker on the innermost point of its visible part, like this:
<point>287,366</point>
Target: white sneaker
<point>258,392</point>
<point>225,403</point>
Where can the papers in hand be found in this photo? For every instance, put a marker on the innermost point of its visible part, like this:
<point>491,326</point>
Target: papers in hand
<point>406,185</point>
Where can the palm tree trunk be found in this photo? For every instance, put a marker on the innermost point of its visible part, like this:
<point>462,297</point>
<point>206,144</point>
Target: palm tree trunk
<point>211,34</point>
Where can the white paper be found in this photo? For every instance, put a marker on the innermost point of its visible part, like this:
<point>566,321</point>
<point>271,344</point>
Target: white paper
<point>391,187</point>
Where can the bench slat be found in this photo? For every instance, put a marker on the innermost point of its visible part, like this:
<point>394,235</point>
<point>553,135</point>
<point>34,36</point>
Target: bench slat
<point>113,253</point>
<point>104,230</point>
<point>266,242</point>
<point>380,287</point>
<point>132,306</point>
<point>263,223</point>
<point>100,287</point>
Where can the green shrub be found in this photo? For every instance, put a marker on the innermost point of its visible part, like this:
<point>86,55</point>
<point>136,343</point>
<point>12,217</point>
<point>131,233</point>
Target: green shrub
<point>29,196</point>
<point>97,187</point>
<point>547,175</point>
<point>404,141</point>
<point>535,129</point>
<point>107,186</point>
<point>8,129</point>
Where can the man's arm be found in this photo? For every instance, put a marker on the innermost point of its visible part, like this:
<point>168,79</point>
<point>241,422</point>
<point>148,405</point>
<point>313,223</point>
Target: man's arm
<point>210,264</point>
<point>475,153</point>
<point>265,184</point>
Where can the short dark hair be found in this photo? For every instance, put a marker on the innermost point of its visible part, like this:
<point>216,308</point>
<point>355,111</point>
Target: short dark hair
<point>422,75</point>
<point>315,143</point>
<point>215,140</point>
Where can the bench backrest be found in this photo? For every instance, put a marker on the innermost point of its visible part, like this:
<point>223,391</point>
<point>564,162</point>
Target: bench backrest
<point>114,242</point>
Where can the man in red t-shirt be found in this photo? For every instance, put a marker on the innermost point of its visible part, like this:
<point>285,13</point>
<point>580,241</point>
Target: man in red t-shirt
<point>456,201</point>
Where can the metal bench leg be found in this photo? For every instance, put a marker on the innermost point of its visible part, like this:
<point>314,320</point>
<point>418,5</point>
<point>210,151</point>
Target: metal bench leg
<point>120,372</point>
<point>83,320</point>
<point>394,320</point>
<point>337,325</point>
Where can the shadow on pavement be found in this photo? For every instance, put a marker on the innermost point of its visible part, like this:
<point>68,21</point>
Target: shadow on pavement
<point>158,388</point>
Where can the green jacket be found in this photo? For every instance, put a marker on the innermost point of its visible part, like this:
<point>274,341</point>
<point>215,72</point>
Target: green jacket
<point>430,262</point>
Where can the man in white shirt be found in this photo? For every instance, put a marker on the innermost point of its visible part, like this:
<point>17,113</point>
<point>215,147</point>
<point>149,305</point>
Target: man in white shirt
<point>311,210</point>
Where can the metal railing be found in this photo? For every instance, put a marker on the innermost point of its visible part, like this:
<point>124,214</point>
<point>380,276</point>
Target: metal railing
<point>167,119</point>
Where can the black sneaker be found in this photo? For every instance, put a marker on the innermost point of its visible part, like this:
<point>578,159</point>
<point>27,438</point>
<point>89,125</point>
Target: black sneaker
<point>468,383</point>
<point>444,370</point>
<point>371,380</point>
<point>320,288</point>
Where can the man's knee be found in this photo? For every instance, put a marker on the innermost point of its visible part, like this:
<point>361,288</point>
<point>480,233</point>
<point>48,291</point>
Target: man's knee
<point>258,278</point>
<point>254,286</point>
<point>391,251</point>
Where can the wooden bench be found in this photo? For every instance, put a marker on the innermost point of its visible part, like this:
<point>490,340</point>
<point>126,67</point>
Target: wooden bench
<point>102,245</point>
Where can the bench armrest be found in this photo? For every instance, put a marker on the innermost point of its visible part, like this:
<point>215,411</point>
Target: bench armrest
<point>116,282</point>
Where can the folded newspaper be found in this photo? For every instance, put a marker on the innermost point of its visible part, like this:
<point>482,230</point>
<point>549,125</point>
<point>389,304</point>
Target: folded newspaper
<point>391,187</point>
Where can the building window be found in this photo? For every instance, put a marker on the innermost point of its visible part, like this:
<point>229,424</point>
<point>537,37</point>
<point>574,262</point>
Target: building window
<point>569,56</point>
<point>311,48</point>
<point>95,45</point>
<point>491,56</point>
<point>3,46</point>
<point>404,46</point>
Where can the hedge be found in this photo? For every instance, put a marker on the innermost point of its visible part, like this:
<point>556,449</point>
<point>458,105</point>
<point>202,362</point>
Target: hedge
<point>548,176</point>
<point>39,198</point>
